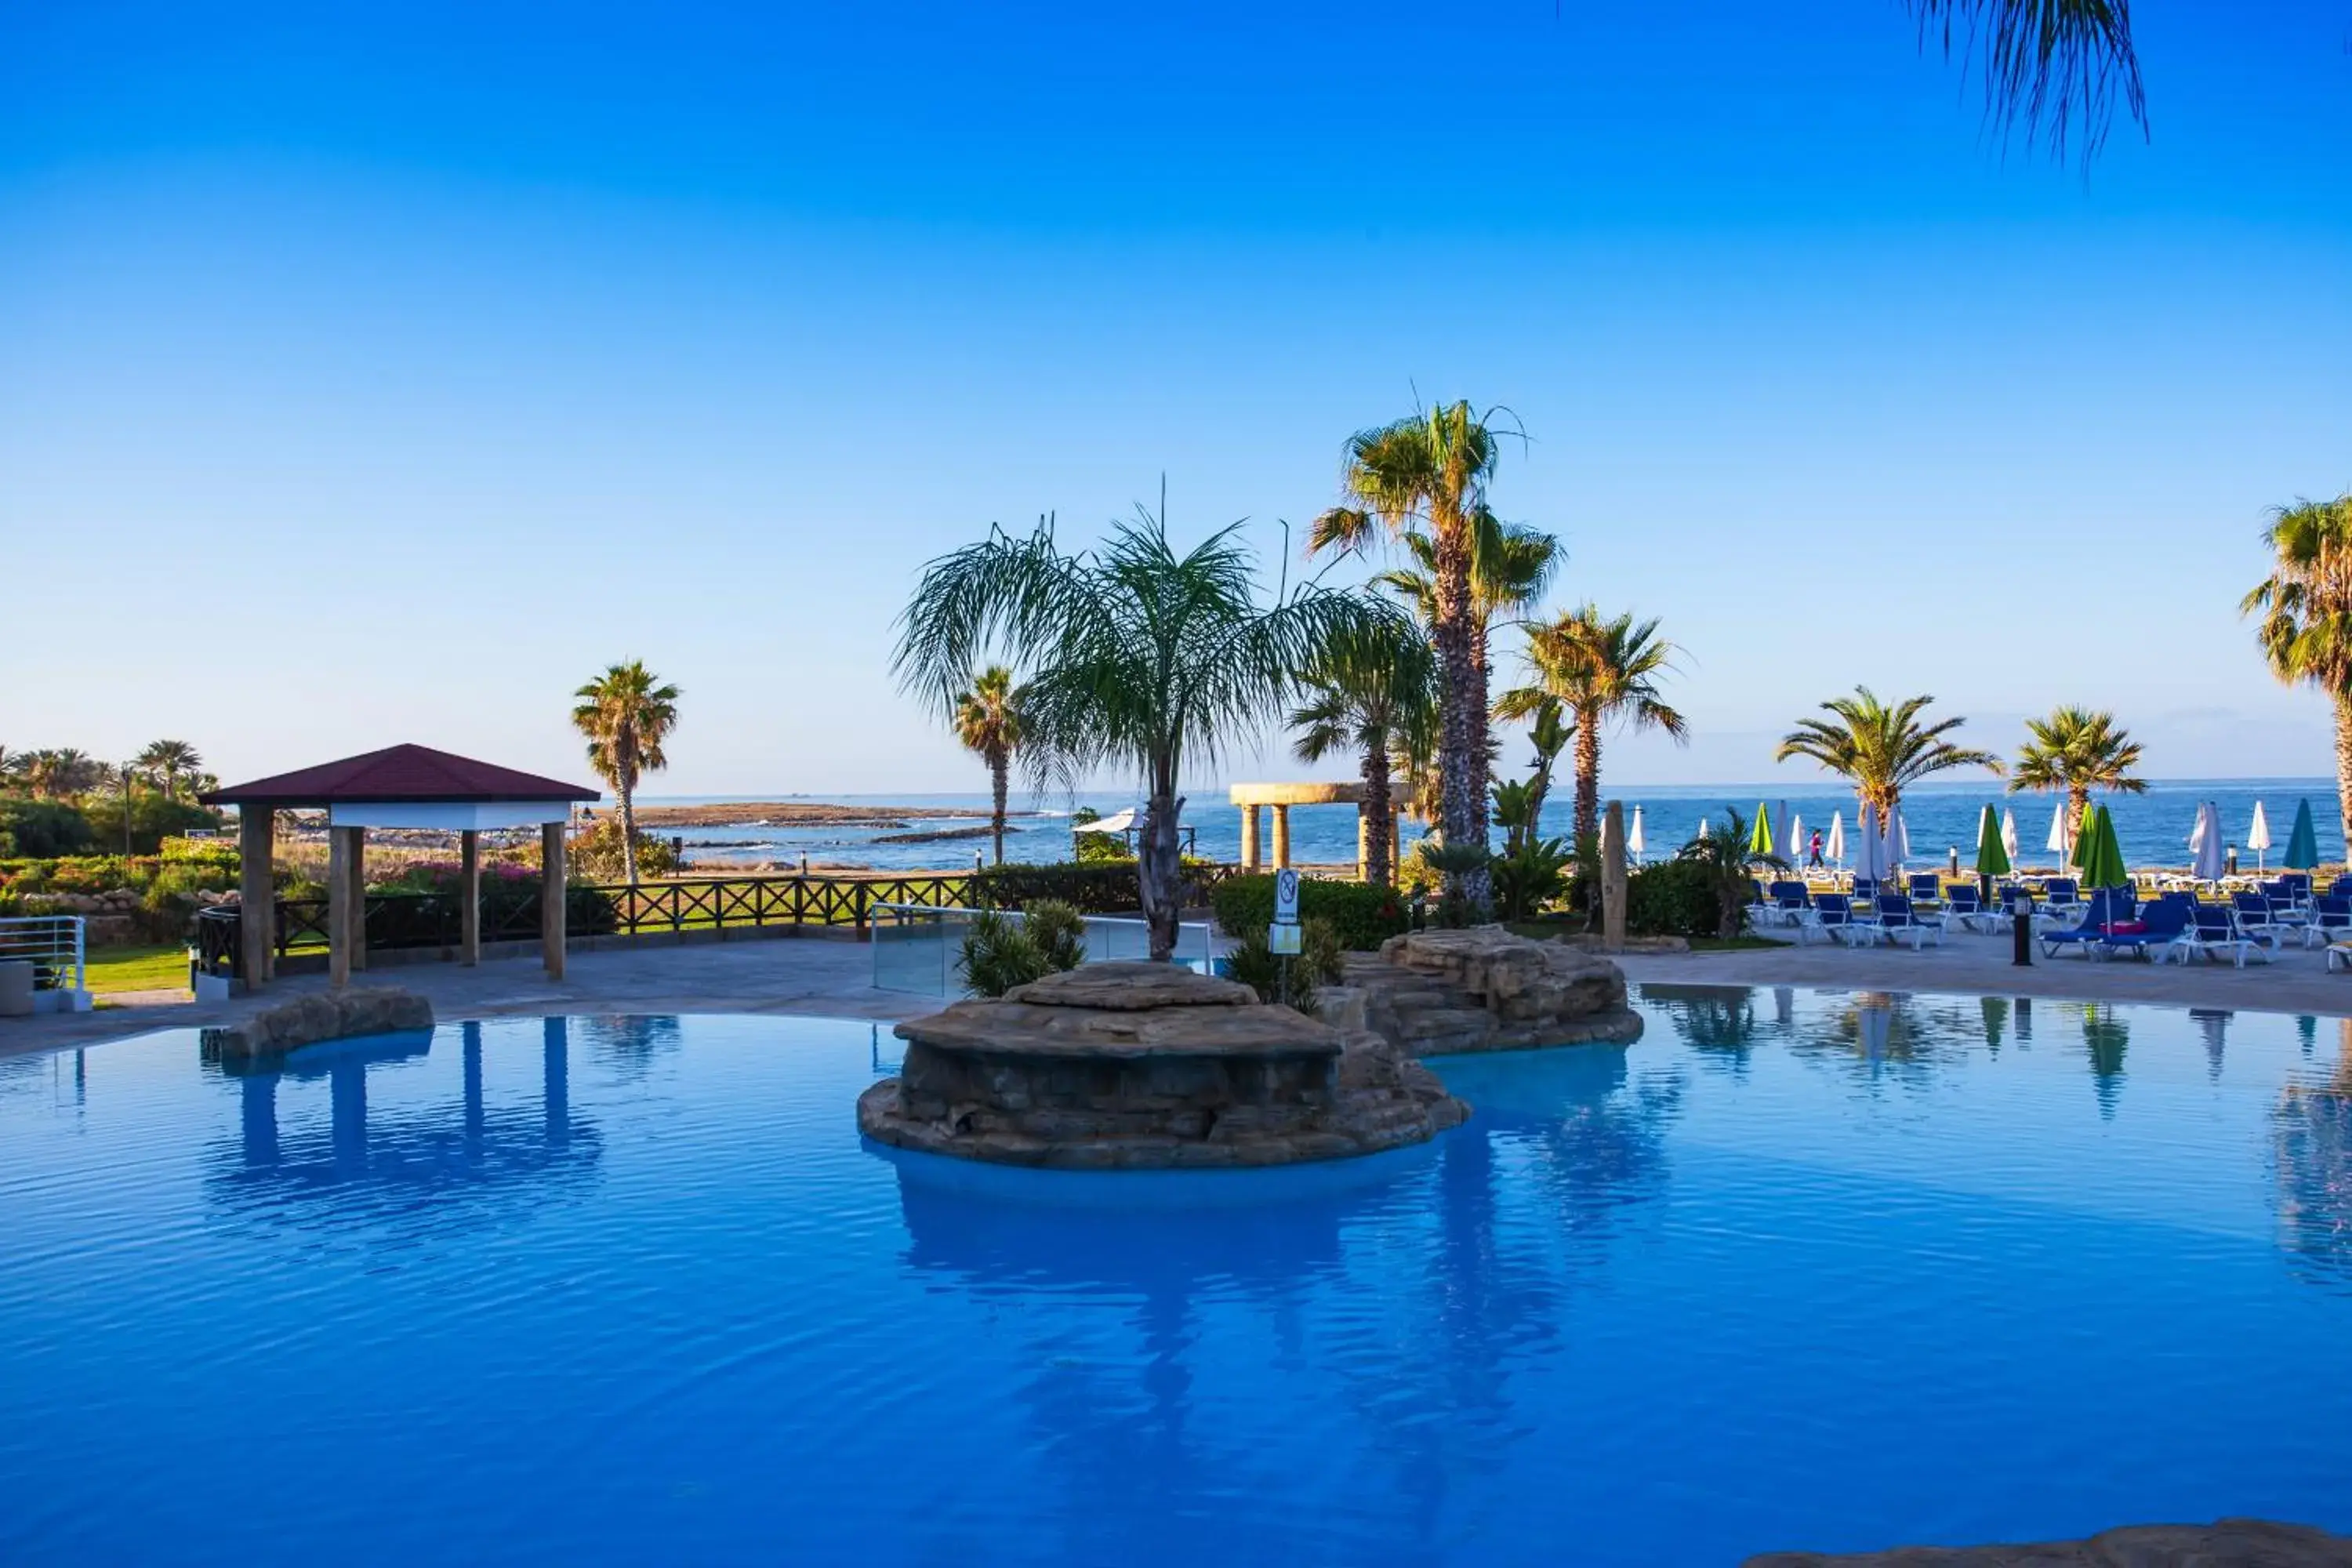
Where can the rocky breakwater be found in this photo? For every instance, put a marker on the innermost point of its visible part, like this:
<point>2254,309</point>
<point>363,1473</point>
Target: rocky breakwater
<point>1148,1066</point>
<point>1439,992</point>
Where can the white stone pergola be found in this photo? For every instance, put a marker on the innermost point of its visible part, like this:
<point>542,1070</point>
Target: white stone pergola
<point>401,786</point>
<point>1253,798</point>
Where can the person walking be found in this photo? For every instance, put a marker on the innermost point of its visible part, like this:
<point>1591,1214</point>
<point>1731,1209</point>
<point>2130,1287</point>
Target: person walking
<point>1816,863</point>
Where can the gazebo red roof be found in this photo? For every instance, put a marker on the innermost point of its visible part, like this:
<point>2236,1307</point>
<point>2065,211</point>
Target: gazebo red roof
<point>397,773</point>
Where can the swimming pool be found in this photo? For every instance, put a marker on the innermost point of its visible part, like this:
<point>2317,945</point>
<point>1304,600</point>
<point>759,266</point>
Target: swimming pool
<point>1796,1270</point>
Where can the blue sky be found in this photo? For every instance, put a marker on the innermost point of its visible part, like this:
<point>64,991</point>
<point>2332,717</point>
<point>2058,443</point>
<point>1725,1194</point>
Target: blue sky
<point>444,356</point>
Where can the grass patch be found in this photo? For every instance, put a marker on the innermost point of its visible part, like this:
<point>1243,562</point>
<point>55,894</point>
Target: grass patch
<point>162,967</point>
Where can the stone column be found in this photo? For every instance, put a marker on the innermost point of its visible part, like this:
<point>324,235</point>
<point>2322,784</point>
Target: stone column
<point>469,918</point>
<point>257,901</point>
<point>1281,838</point>
<point>359,896</point>
<point>1249,837</point>
<point>339,906</point>
<point>551,897</point>
<point>1612,877</point>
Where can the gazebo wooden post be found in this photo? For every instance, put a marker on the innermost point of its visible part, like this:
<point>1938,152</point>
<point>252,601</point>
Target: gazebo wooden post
<point>339,907</point>
<point>551,897</point>
<point>359,896</point>
<point>470,919</point>
<point>256,896</point>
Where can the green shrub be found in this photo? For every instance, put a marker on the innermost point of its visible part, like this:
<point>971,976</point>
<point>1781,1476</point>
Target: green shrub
<point>998,954</point>
<point>1360,917</point>
<point>1319,964</point>
<point>595,855</point>
<point>199,851</point>
<point>44,829</point>
<point>1671,897</point>
<point>1094,889</point>
<point>1059,931</point>
<point>153,820</point>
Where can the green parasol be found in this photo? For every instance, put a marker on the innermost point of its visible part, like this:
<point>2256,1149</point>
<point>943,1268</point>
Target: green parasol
<point>1759,838</point>
<point>2303,844</point>
<point>2104,865</point>
<point>1992,858</point>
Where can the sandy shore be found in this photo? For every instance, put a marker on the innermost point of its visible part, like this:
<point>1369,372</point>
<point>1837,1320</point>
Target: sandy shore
<point>796,814</point>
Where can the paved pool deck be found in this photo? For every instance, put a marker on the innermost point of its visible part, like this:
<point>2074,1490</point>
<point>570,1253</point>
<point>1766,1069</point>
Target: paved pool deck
<point>834,979</point>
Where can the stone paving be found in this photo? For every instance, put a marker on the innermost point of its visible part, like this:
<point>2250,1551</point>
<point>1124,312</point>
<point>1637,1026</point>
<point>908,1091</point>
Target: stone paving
<point>833,979</point>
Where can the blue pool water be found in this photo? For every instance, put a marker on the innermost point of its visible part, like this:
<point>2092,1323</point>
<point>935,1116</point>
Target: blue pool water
<point>1807,1271</point>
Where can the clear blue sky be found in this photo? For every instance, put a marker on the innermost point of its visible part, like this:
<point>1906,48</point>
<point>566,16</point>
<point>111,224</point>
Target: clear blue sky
<point>436,358</point>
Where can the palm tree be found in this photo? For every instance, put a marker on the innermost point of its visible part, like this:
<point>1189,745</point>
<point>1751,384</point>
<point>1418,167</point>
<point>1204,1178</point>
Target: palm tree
<point>2051,66</point>
<point>1722,851</point>
<point>1882,751</point>
<point>987,719</point>
<point>1428,473</point>
<point>168,760</point>
<point>1604,671</point>
<point>56,774</point>
<point>626,713</point>
<point>1367,691</point>
<point>1138,656</point>
<point>1550,730</point>
<point>2077,751</point>
<point>2305,605</point>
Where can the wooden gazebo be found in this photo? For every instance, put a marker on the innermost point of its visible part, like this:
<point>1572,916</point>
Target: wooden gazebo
<point>400,786</point>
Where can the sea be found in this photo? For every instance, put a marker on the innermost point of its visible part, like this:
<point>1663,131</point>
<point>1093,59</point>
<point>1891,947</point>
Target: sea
<point>1940,819</point>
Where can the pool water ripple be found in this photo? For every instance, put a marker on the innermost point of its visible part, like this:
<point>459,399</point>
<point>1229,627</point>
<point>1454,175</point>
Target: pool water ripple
<point>1829,1270</point>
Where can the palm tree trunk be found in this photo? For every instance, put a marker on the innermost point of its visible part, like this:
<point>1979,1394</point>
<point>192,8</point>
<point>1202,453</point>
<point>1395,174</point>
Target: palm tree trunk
<point>2344,759</point>
<point>996,768</point>
<point>1485,697</point>
<point>1159,869</point>
<point>625,786</point>
<point>2078,805</point>
<point>1373,812</point>
<point>1587,777</point>
<point>1462,749</point>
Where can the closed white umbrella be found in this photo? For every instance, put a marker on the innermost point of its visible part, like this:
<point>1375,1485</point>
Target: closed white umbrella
<point>2205,844</point>
<point>1634,843</point>
<point>1795,850</point>
<point>1702,827</point>
<point>1898,842</point>
<point>2009,838</point>
<point>1836,845</point>
<point>2060,843</point>
<point>1782,844</point>
<point>1870,854</point>
<point>2258,836</point>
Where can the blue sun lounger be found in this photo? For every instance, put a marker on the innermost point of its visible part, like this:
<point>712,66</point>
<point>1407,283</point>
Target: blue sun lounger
<point>2106,906</point>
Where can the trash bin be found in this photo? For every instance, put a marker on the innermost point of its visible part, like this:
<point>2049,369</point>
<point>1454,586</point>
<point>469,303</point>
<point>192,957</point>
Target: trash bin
<point>16,988</point>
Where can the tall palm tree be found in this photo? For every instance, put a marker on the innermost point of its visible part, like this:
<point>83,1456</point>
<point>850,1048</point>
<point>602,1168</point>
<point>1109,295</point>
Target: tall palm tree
<point>1604,671</point>
<point>2077,751</point>
<point>1881,750</point>
<point>1427,474</point>
<point>2305,605</point>
<point>987,719</point>
<point>626,713</point>
<point>1369,690</point>
<point>168,760</point>
<point>1138,656</point>
<point>59,772</point>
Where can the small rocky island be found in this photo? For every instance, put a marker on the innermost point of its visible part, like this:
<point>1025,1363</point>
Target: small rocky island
<point>1149,1065</point>
<point>1443,992</point>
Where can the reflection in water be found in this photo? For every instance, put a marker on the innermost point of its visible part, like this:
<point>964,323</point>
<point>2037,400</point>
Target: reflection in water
<point>631,1045</point>
<point>1719,1019</point>
<point>1994,1011</point>
<point>400,1157</point>
<point>2213,1029</point>
<point>2312,1148</point>
<point>2107,1035</point>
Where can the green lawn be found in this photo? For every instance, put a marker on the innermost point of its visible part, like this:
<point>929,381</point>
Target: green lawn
<point>156,968</point>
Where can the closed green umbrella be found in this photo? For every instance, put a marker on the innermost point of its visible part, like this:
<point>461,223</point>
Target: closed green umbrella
<point>1759,838</point>
<point>2303,844</point>
<point>2105,866</point>
<point>1993,855</point>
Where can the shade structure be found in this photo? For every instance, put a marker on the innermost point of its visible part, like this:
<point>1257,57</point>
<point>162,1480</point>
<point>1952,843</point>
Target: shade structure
<point>1993,856</point>
<point>1760,836</point>
<point>2061,841</point>
<point>1836,844</point>
<point>2258,834</point>
<point>1870,853</point>
<point>2206,861</point>
<point>2102,859</point>
<point>2302,841</point>
<point>1898,841</point>
<point>1634,843</point>
<point>2009,833</point>
<point>1702,827</point>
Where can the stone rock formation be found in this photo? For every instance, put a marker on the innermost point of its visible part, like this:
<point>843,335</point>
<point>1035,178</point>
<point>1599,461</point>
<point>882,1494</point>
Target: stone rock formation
<point>2238,1542</point>
<point>321,1015</point>
<point>1438,992</point>
<point>1131,1066</point>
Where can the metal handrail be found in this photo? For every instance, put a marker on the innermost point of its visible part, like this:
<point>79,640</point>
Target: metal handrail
<point>55,944</point>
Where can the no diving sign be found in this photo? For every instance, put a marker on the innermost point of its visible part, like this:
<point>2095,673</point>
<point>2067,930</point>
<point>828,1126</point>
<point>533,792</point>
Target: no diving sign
<point>1285,896</point>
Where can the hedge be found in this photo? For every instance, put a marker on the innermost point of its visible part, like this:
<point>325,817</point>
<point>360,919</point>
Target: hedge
<point>1363,916</point>
<point>1671,897</point>
<point>43,830</point>
<point>1092,890</point>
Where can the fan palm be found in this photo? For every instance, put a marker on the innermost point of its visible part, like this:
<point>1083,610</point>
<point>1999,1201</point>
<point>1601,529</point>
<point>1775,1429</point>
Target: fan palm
<point>1138,656</point>
<point>987,719</point>
<point>2305,610</point>
<point>1427,474</point>
<point>2077,751</point>
<point>2054,66</point>
<point>1881,750</point>
<point>1550,730</point>
<point>626,713</point>
<point>60,773</point>
<point>1729,862</point>
<point>1369,689</point>
<point>1604,671</point>
<point>168,761</point>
